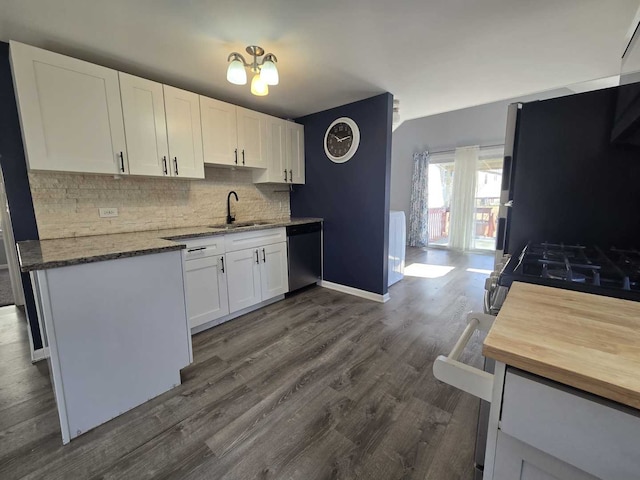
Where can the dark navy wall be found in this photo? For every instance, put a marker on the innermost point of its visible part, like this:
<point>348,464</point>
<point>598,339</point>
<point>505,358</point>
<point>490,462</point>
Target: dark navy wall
<point>352,197</point>
<point>14,169</point>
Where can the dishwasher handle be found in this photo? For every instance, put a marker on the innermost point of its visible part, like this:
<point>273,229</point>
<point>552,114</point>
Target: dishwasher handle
<point>450,370</point>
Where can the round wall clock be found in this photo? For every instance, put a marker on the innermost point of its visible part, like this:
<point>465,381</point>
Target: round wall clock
<point>341,140</point>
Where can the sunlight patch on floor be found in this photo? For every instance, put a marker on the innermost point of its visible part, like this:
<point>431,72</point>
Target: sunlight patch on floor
<point>484,271</point>
<point>425,270</point>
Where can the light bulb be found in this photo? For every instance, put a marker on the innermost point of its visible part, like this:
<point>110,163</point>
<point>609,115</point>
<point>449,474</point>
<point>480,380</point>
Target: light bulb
<point>269,73</point>
<point>258,87</point>
<point>236,73</point>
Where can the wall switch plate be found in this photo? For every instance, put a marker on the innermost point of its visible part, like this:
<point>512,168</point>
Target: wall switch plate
<point>108,212</point>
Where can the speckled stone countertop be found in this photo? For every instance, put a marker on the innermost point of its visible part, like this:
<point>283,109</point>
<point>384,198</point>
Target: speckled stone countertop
<point>63,252</point>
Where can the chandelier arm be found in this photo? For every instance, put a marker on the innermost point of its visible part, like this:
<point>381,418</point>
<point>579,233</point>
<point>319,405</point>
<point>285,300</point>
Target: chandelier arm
<point>267,57</point>
<point>238,56</point>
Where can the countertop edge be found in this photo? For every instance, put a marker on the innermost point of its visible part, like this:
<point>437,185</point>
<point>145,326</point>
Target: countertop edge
<point>580,381</point>
<point>173,243</point>
<point>99,258</point>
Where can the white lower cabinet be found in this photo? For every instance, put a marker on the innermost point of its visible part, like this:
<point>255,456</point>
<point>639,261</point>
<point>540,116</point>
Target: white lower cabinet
<point>226,274</point>
<point>256,275</point>
<point>516,460</point>
<point>206,287</point>
<point>243,279</point>
<point>274,275</point>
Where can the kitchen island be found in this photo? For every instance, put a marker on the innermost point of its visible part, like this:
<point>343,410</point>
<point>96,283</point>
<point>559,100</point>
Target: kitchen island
<point>566,389</point>
<point>114,313</point>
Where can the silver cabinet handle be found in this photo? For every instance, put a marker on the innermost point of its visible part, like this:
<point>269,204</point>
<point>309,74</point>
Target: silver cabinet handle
<point>175,164</point>
<point>164,165</point>
<point>285,174</point>
<point>257,258</point>
<point>264,256</point>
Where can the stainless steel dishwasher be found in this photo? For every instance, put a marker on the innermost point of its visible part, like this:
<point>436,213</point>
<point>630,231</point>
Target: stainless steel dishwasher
<point>305,254</point>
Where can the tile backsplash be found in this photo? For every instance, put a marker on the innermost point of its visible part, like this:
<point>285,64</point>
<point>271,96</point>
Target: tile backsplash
<point>66,204</point>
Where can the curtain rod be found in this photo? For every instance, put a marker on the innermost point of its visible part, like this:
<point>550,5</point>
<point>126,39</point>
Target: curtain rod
<point>452,150</point>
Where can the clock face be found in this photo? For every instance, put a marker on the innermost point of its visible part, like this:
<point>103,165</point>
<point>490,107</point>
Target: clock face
<point>341,140</point>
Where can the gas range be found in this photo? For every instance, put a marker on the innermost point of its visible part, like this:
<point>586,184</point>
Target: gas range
<point>611,272</point>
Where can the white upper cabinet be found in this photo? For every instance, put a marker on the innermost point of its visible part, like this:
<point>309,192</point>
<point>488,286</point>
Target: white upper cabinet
<point>145,126</point>
<point>252,138</point>
<point>219,132</point>
<point>184,132</point>
<point>70,112</point>
<point>81,117</point>
<point>295,152</point>
<point>285,153</point>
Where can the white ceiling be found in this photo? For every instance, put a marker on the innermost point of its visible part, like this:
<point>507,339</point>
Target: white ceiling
<point>434,55</point>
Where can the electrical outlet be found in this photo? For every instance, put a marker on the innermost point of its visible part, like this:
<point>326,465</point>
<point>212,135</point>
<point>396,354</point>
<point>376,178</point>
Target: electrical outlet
<point>108,212</point>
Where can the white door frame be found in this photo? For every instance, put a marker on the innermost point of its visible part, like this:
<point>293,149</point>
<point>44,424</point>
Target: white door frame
<point>10,247</point>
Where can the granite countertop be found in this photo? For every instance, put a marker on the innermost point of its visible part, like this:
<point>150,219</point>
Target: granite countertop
<point>586,341</point>
<point>63,252</point>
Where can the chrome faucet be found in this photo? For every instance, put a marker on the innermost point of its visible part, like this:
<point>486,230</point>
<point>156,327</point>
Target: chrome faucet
<point>230,219</point>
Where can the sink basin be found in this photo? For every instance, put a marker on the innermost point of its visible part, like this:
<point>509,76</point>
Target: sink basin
<point>225,226</point>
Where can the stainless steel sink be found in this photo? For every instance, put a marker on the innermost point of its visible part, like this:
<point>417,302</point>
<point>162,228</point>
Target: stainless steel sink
<point>225,226</point>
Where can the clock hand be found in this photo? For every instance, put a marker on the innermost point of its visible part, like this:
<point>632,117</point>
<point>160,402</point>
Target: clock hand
<point>344,138</point>
<point>334,136</point>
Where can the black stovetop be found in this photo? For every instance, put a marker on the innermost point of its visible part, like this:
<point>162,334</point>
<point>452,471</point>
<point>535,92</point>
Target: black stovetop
<point>612,272</point>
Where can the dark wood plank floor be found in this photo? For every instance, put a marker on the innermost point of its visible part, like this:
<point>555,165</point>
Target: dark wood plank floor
<point>321,385</point>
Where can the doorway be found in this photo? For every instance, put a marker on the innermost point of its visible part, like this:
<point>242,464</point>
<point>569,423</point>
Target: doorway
<point>482,216</point>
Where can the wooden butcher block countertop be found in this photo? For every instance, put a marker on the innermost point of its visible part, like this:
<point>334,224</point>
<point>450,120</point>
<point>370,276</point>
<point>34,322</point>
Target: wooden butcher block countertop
<point>589,342</point>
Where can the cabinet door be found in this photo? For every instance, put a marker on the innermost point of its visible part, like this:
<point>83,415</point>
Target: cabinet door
<point>219,132</point>
<point>70,112</point>
<point>278,166</point>
<point>252,138</point>
<point>206,287</point>
<point>243,279</point>
<point>516,460</point>
<point>274,275</point>
<point>145,125</point>
<point>295,152</point>
<point>184,132</point>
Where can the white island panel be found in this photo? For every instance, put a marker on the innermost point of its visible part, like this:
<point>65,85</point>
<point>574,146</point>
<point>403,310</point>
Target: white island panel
<point>118,335</point>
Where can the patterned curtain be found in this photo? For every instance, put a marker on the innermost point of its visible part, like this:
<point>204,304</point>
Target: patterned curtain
<point>419,213</point>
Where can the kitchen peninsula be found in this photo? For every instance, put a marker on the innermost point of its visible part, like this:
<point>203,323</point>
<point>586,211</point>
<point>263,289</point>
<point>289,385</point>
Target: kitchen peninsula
<point>566,390</point>
<point>114,311</point>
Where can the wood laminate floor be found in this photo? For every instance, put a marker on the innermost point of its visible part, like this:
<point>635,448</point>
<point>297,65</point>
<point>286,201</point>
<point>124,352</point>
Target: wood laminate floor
<point>321,385</point>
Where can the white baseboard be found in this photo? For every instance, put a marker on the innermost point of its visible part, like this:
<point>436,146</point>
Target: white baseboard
<point>40,354</point>
<point>376,297</point>
<point>231,316</point>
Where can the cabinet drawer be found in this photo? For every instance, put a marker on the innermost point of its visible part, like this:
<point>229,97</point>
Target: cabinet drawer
<point>256,238</point>
<point>214,244</point>
<point>583,430</point>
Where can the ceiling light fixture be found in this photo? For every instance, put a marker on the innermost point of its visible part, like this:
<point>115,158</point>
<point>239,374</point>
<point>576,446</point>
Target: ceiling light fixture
<point>265,70</point>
